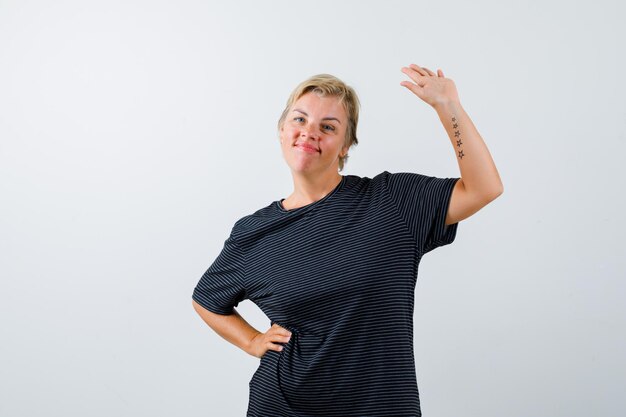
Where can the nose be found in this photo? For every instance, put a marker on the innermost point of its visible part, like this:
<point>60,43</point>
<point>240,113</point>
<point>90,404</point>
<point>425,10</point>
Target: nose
<point>308,132</point>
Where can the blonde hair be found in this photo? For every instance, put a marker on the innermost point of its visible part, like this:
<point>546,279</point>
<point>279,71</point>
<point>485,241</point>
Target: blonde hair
<point>327,85</point>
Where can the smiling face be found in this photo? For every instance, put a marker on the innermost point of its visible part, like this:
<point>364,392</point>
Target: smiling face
<point>313,134</point>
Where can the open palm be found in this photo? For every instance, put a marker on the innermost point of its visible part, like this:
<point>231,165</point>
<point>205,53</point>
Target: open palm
<point>433,88</point>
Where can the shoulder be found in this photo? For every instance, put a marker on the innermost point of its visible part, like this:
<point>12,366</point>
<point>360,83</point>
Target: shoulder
<point>397,181</point>
<point>403,181</point>
<point>247,223</point>
<point>386,176</point>
<point>251,225</point>
<point>360,183</point>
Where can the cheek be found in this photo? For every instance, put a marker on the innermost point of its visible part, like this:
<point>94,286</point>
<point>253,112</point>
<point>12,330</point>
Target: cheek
<point>292,133</point>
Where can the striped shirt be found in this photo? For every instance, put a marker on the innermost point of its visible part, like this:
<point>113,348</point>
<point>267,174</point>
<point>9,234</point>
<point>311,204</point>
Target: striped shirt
<point>340,274</point>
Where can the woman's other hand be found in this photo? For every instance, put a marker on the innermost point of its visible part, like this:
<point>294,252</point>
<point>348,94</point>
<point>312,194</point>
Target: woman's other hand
<point>433,88</point>
<point>263,342</point>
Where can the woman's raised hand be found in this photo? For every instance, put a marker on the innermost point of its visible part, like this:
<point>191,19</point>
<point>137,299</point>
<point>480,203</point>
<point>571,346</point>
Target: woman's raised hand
<point>433,88</point>
<point>263,342</point>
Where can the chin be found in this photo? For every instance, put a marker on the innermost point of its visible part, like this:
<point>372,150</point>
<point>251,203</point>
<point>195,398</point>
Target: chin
<point>301,165</point>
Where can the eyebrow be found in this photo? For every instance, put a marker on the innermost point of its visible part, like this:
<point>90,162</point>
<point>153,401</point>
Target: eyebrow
<point>325,118</point>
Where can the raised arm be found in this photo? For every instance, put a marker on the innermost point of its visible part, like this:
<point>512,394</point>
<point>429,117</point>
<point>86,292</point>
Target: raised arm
<point>480,182</point>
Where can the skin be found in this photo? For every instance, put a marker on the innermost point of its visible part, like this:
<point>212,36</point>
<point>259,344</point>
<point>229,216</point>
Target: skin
<point>316,174</point>
<point>480,182</point>
<point>236,330</point>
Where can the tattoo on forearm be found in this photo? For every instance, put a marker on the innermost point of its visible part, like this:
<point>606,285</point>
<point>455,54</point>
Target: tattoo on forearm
<point>457,135</point>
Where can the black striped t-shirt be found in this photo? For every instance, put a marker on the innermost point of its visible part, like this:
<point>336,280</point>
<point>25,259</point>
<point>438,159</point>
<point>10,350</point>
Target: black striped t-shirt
<point>340,274</point>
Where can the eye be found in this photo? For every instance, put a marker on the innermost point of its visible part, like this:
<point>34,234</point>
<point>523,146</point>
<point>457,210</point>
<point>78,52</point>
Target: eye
<point>299,117</point>
<point>331,127</point>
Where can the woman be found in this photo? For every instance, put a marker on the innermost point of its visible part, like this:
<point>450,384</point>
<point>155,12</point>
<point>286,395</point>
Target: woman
<point>334,265</point>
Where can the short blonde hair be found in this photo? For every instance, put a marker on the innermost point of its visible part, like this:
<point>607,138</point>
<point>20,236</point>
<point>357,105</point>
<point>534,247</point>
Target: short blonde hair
<point>327,85</point>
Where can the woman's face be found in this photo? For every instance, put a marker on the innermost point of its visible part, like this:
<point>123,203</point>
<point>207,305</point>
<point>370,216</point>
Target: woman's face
<point>312,135</point>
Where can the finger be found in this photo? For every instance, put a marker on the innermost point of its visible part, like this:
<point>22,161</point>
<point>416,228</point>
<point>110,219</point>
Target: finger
<point>414,75</point>
<point>440,73</point>
<point>413,87</point>
<point>279,327</point>
<point>428,71</point>
<point>419,69</point>
<point>280,332</point>
<point>419,83</point>
<point>280,339</point>
<point>274,346</point>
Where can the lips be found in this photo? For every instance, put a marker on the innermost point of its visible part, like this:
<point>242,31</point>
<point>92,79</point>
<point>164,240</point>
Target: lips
<point>306,147</point>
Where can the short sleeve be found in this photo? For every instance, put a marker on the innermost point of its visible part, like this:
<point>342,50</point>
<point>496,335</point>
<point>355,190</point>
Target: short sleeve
<point>422,201</point>
<point>222,286</point>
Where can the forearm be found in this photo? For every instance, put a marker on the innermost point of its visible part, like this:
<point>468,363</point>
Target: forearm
<point>478,171</point>
<point>233,327</point>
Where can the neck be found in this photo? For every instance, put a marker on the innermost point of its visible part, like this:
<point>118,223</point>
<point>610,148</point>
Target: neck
<point>308,189</point>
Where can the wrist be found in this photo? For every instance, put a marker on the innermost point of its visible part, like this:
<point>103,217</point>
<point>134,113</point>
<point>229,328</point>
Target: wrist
<point>447,106</point>
<point>248,346</point>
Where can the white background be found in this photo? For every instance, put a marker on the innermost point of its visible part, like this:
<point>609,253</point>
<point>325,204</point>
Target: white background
<point>133,134</point>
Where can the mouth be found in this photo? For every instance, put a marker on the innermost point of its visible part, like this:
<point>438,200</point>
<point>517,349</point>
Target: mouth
<point>306,148</point>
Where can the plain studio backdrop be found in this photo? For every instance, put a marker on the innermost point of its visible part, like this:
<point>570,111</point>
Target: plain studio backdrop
<point>133,134</point>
